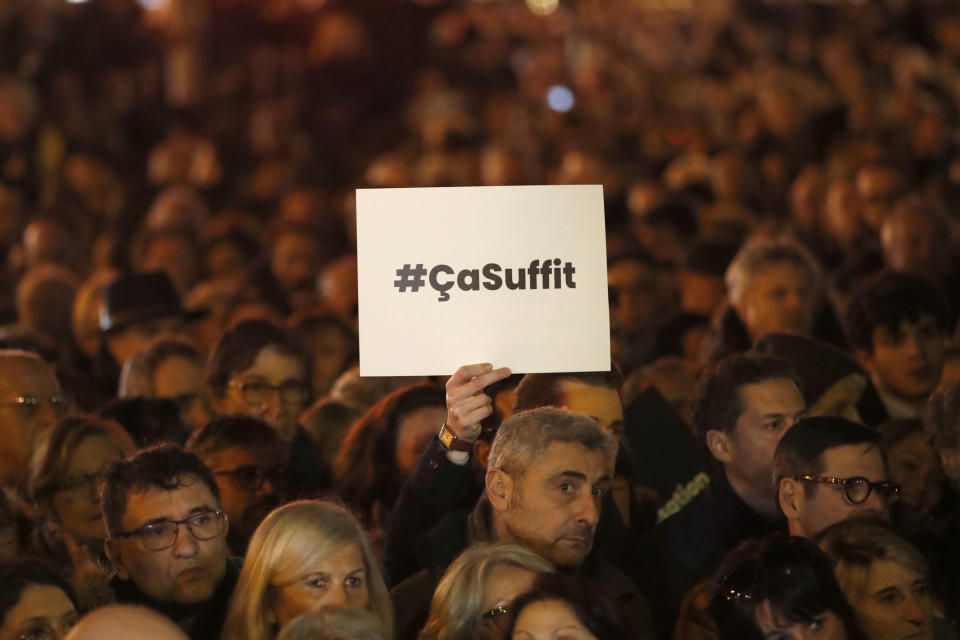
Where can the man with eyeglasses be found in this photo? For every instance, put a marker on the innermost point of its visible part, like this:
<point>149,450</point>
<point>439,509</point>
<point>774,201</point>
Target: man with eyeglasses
<point>30,402</point>
<point>248,462</point>
<point>828,469</point>
<point>166,538</point>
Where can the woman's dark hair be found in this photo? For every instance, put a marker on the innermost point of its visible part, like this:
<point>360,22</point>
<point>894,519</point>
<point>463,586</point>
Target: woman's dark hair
<point>593,604</point>
<point>149,421</point>
<point>240,346</point>
<point>17,575</point>
<point>14,517</point>
<point>791,574</point>
<point>365,470</point>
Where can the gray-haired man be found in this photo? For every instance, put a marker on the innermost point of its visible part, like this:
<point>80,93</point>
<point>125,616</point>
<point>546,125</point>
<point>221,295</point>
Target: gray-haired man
<point>546,477</point>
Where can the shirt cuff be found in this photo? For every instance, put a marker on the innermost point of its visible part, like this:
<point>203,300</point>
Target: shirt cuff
<point>458,457</point>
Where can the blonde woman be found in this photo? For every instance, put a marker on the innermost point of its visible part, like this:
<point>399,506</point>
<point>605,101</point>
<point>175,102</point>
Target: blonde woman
<point>305,556</point>
<point>884,577</point>
<point>473,599</point>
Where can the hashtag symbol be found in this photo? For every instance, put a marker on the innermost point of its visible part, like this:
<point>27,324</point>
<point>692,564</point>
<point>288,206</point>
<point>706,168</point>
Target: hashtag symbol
<point>410,277</point>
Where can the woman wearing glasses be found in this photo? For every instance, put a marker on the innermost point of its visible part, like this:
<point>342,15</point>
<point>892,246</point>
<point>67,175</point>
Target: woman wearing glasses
<point>884,577</point>
<point>780,588</point>
<point>305,556</point>
<point>36,603</point>
<point>474,597</point>
<point>65,479</point>
<point>262,371</point>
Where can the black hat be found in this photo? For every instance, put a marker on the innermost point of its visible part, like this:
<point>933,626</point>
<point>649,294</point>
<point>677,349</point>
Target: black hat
<point>137,297</point>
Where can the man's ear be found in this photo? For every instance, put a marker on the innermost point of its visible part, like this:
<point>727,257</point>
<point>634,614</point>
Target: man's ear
<point>481,452</point>
<point>111,547</point>
<point>499,489</point>
<point>865,358</point>
<point>792,496</point>
<point>720,446</point>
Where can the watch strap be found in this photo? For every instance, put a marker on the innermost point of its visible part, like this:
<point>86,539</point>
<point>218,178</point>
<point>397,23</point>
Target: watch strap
<point>451,442</point>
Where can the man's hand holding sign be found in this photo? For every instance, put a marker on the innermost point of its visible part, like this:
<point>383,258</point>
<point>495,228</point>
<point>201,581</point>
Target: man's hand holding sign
<point>468,405</point>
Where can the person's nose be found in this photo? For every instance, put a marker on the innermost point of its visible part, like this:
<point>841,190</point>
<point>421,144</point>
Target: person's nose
<point>271,405</point>
<point>875,503</point>
<point>911,345</point>
<point>96,488</point>
<point>914,610</point>
<point>267,487</point>
<point>588,510</point>
<point>185,545</point>
<point>47,416</point>
<point>336,597</point>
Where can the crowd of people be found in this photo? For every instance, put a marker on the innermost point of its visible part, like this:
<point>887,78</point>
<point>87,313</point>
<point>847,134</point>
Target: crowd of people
<point>187,449</point>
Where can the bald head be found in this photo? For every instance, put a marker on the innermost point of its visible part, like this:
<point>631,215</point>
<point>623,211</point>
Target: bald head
<point>125,622</point>
<point>30,402</point>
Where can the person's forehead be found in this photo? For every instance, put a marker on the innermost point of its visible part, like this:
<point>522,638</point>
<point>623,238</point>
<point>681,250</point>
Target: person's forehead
<point>239,456</point>
<point>293,240</point>
<point>23,375</point>
<point>914,444</point>
<point>568,456</point>
<point>849,460</point>
<point>910,221</point>
<point>773,395</point>
<point>40,601</point>
<point>274,365</point>
<point>177,372</point>
<point>92,451</point>
<point>877,179</point>
<point>591,400</point>
<point>155,503</point>
<point>884,573</point>
<point>778,273</point>
<point>924,321</point>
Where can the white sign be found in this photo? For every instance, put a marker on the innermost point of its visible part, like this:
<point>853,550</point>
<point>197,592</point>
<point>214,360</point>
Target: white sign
<point>514,276</point>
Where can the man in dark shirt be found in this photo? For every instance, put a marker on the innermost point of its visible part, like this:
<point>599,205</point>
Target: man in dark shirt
<point>547,474</point>
<point>166,539</point>
<point>745,405</point>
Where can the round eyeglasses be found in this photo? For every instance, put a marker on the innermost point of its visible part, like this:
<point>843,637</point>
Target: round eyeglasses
<point>858,488</point>
<point>29,405</point>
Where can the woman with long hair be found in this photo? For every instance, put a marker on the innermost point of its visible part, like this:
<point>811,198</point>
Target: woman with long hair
<point>383,447</point>
<point>884,577</point>
<point>305,556</point>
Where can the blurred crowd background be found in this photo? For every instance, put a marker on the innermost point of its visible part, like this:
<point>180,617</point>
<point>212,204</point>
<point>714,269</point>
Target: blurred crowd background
<point>221,142</point>
<point>174,169</point>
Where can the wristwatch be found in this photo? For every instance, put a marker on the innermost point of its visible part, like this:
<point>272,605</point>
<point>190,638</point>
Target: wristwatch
<point>451,442</point>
